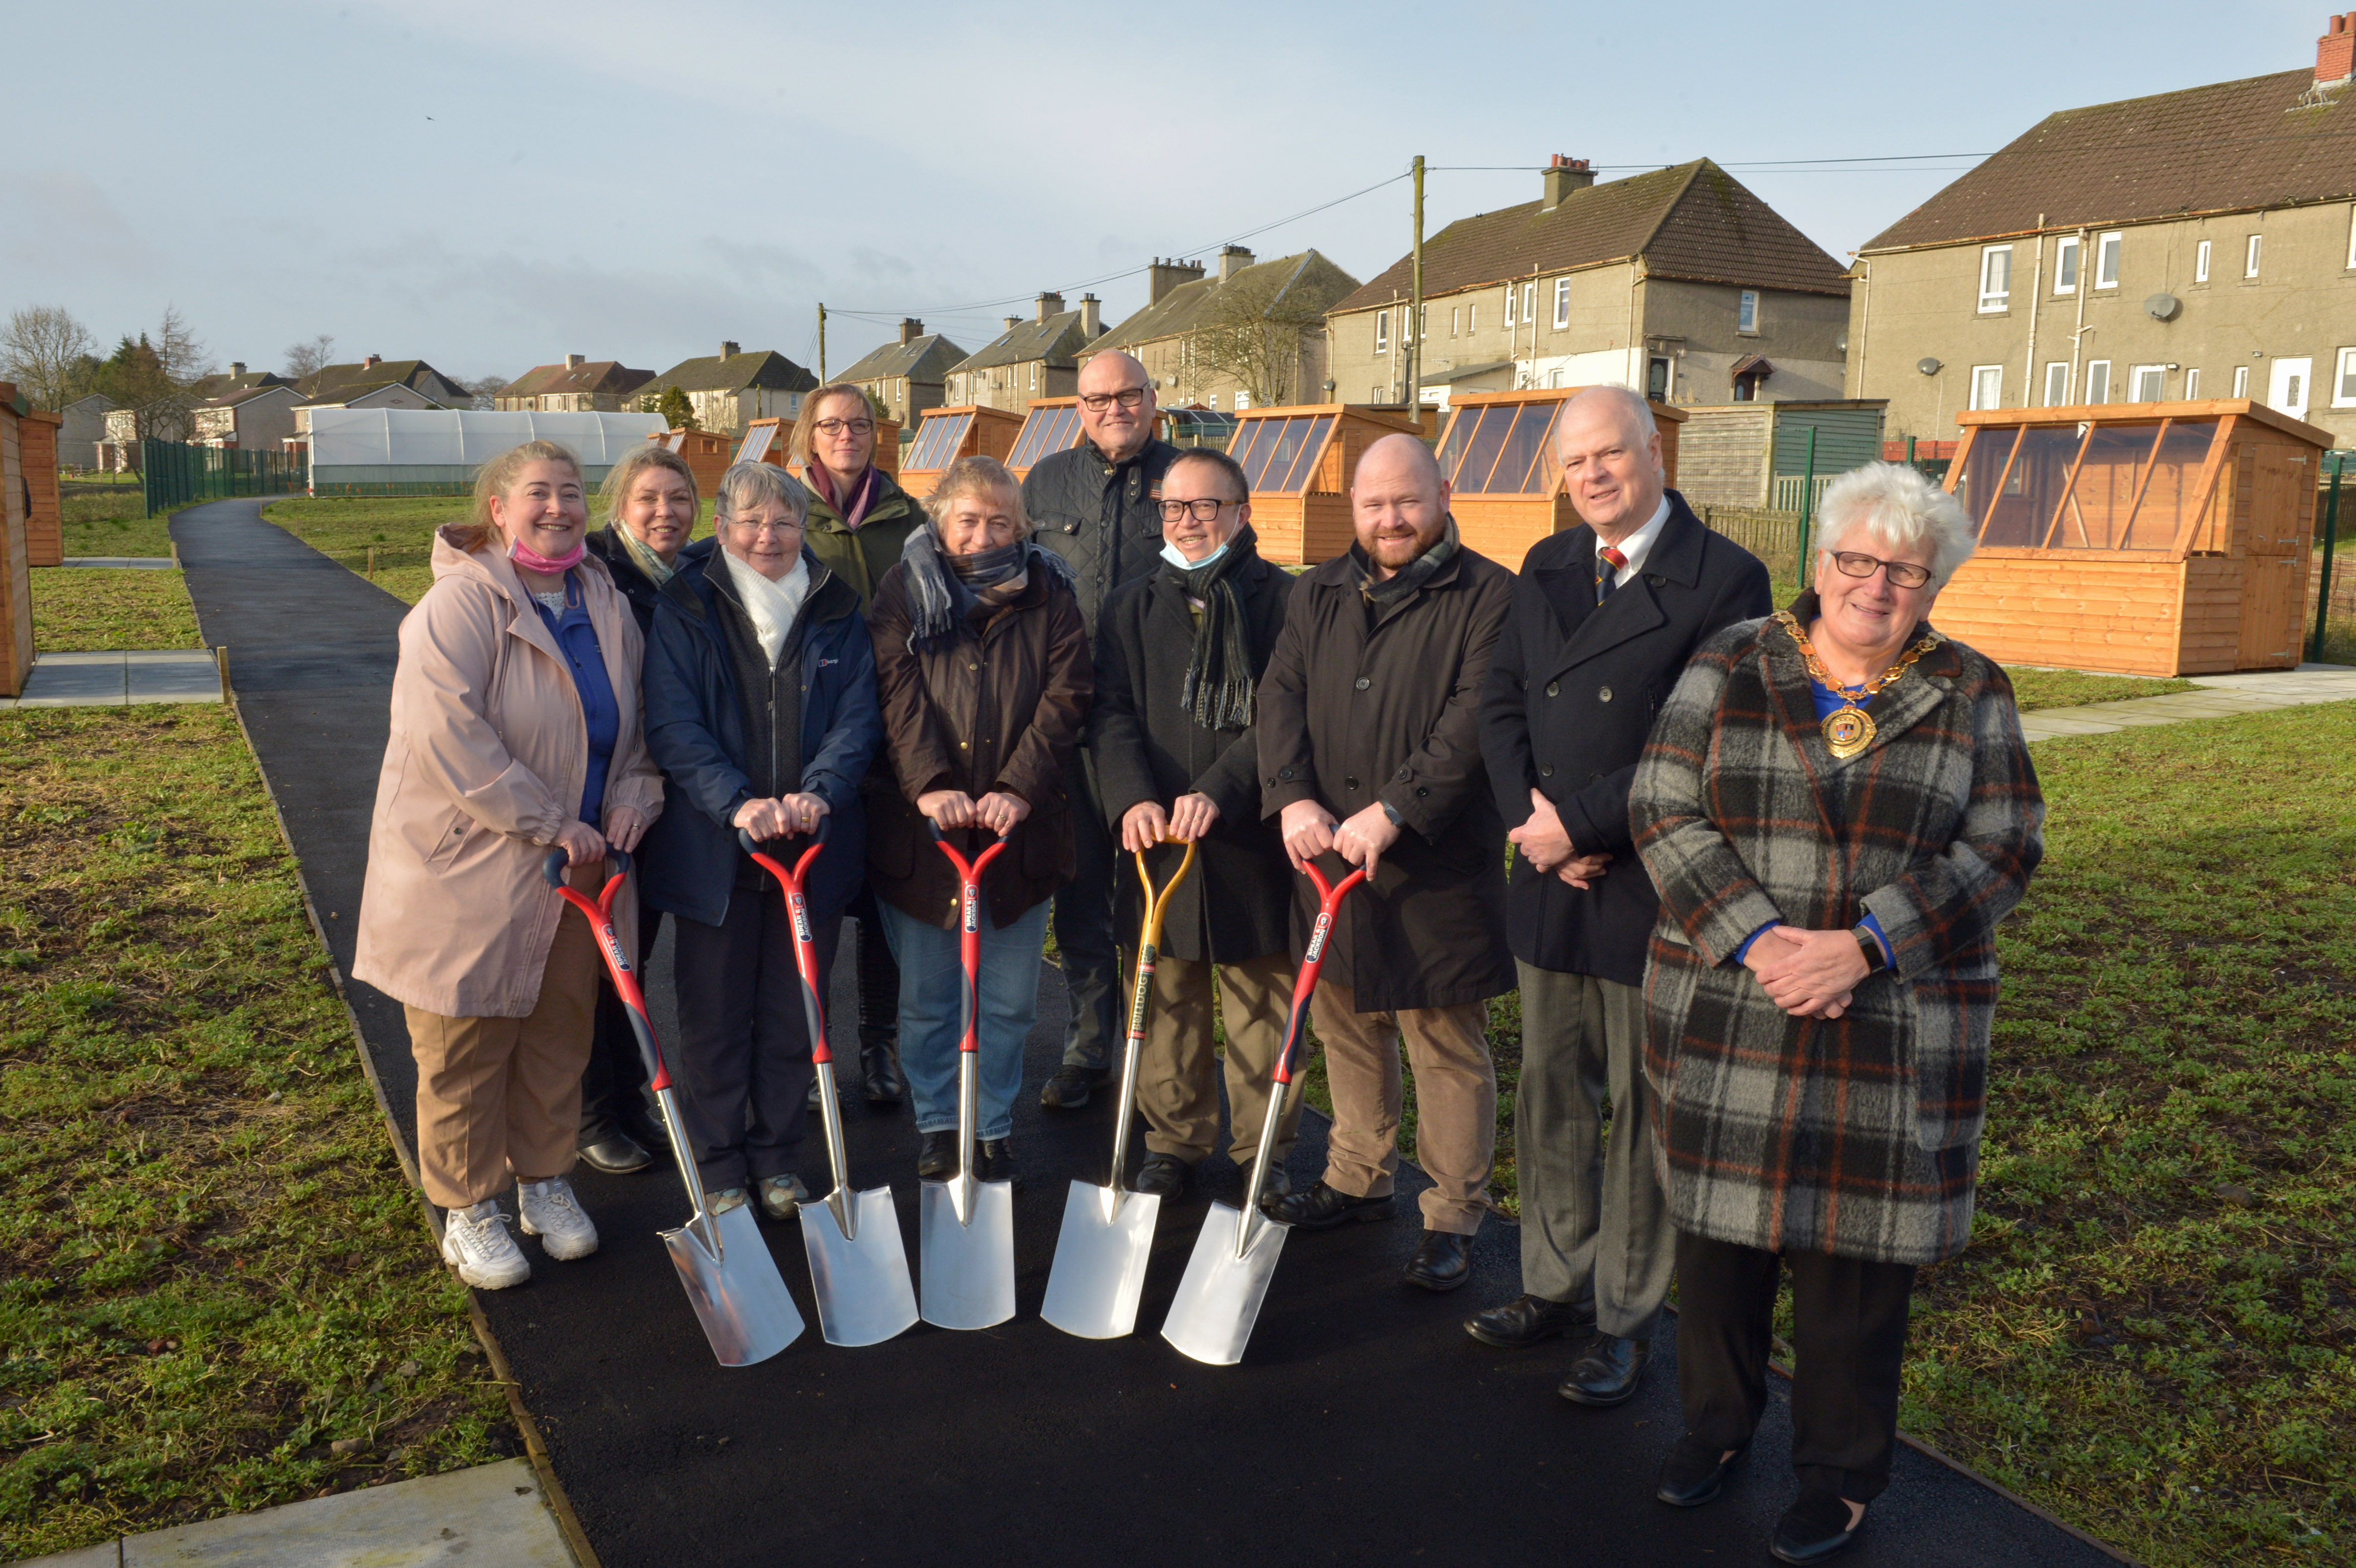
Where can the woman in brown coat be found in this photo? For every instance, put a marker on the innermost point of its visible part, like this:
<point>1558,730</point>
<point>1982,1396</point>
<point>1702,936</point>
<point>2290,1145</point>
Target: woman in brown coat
<point>983,669</point>
<point>515,728</point>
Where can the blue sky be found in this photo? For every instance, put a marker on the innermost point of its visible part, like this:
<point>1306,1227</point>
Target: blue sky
<point>489,186</point>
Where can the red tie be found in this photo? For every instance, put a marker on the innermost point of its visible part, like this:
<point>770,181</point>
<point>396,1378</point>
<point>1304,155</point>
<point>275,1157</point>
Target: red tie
<point>1606,581</point>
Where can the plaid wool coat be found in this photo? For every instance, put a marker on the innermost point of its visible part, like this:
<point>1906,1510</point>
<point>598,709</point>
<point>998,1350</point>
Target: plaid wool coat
<point>1856,1136</point>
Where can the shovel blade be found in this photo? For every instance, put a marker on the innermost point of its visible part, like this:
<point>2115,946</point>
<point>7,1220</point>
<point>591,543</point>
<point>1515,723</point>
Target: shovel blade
<point>738,1295</point>
<point>968,1269</point>
<point>1099,1269</point>
<point>864,1296</point>
<point>1219,1298</point>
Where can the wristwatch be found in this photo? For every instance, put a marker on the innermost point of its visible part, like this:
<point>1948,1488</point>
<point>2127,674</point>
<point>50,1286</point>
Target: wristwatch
<point>1869,945</point>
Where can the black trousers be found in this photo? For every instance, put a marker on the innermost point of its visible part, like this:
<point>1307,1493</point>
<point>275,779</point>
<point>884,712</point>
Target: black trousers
<point>1084,935</point>
<point>1849,1337</point>
<point>744,1059</point>
<point>879,975</point>
<point>613,1084</point>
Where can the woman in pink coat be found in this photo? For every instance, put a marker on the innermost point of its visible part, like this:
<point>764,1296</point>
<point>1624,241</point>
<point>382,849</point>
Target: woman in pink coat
<point>514,728</point>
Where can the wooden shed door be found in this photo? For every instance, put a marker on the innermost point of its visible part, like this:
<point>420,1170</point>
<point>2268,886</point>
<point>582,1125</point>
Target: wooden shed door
<point>2274,591</point>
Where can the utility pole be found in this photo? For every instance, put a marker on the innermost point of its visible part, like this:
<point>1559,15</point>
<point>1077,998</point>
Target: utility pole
<point>1413,336</point>
<point>822,343</point>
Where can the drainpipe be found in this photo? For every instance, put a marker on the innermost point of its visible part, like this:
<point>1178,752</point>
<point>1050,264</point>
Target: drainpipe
<point>2077,337</point>
<point>2029,393</point>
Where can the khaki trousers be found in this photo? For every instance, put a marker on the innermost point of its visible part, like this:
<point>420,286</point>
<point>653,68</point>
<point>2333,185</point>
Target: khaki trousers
<point>1455,1102</point>
<point>499,1099</point>
<point>1178,1073</point>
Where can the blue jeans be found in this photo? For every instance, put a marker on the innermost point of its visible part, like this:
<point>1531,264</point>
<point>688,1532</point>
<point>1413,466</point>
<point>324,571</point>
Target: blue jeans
<point>932,1013</point>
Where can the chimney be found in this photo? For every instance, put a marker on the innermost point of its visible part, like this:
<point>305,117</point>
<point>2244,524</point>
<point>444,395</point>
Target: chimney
<point>371,363</point>
<point>1050,304</point>
<point>2335,52</point>
<point>237,367</point>
<point>910,330</point>
<point>1233,259</point>
<point>730,348</point>
<point>1562,176</point>
<point>1164,275</point>
<point>574,362</point>
<point>1091,318</point>
<point>1012,322</point>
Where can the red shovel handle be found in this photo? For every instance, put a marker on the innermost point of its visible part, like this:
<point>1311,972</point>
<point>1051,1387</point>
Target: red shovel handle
<point>969,927</point>
<point>1329,902</point>
<point>599,913</point>
<point>805,943</point>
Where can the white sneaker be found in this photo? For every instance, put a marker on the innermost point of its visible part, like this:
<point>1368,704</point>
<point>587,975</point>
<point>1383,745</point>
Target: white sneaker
<point>551,1213</point>
<point>475,1241</point>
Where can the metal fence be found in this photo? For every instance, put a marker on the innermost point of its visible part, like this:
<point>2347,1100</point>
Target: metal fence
<point>174,474</point>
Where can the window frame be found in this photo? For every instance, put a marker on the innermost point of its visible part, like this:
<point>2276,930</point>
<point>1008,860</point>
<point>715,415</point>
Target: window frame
<point>1510,321</point>
<point>2351,236</point>
<point>2242,380</point>
<point>2134,383</point>
<point>2104,367</point>
<point>2110,250</point>
<point>2069,257</point>
<point>2343,368</point>
<point>1746,308</point>
<point>2063,399</point>
<point>2252,253</point>
<point>1993,302</point>
<point>1562,294</point>
<point>2200,261</point>
<point>1471,318</point>
<point>2192,384</point>
<point>1382,331</point>
<point>1530,304</point>
<point>1981,374</point>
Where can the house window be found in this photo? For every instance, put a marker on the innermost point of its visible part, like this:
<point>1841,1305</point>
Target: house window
<point>2250,257</point>
<point>1987,386</point>
<point>2351,236</point>
<point>2149,383</point>
<point>2343,385</point>
<point>1656,381</point>
<point>2191,385</point>
<point>2200,261</point>
<point>1996,277</point>
<point>1454,317</point>
<point>1529,305</point>
<point>1746,314</point>
<point>2098,381</point>
<point>1509,305</point>
<point>2106,260</point>
<point>1035,375</point>
<point>2066,265</point>
<point>1212,399</point>
<point>2057,383</point>
<point>1382,331</point>
<point>1423,322</point>
<point>2241,381</point>
<point>1562,300</point>
<point>1471,319</point>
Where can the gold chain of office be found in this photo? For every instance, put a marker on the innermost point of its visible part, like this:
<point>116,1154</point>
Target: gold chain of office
<point>1847,728</point>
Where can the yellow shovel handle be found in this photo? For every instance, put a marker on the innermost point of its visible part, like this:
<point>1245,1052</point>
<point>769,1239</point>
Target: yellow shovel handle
<point>1157,904</point>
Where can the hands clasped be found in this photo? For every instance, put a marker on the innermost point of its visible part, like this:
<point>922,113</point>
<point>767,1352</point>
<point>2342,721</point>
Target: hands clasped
<point>1546,844</point>
<point>1146,824</point>
<point>785,815</point>
<point>1809,974</point>
<point>998,811</point>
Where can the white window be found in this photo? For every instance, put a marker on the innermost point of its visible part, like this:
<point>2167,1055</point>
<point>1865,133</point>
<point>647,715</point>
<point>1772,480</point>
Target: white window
<point>1382,331</point>
<point>1987,386</point>
<point>1243,401</point>
<point>1996,278</point>
<point>1471,319</point>
<point>1509,305</point>
<point>2351,236</point>
<point>2057,384</point>
<point>2098,381</point>
<point>1212,399</point>
<point>1035,375</point>
<point>2106,260</point>
<point>2250,257</point>
<point>2241,381</point>
<point>2066,265</point>
<point>2200,261</point>
<point>2343,384</point>
<point>1455,319</point>
<point>2192,384</point>
<point>1562,302</point>
<point>1423,322</point>
<point>1529,305</point>
<point>2149,383</point>
<point>1746,315</point>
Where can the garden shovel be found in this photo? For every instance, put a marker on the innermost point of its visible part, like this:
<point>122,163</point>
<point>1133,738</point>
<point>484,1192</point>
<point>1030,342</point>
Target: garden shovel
<point>1235,1256</point>
<point>1108,1233</point>
<point>730,1279</point>
<point>859,1269</point>
<point>966,1226</point>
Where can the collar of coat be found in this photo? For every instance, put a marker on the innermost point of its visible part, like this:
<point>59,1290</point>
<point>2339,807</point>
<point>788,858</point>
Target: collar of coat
<point>605,543</point>
<point>1895,709</point>
<point>1563,568</point>
<point>699,593</point>
<point>489,565</point>
<point>890,504</point>
<point>1341,572</point>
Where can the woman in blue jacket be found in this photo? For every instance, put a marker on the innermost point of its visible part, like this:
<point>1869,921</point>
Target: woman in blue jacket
<point>760,691</point>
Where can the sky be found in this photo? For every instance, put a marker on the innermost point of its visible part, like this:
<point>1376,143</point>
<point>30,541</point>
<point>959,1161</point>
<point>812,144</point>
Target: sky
<point>490,186</point>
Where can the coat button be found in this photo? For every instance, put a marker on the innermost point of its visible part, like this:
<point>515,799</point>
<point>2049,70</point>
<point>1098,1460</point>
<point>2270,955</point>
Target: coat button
<point>1362,682</point>
<point>1349,781</point>
<point>1546,769</point>
<point>1554,688</point>
<point>1284,773</point>
<point>1603,693</point>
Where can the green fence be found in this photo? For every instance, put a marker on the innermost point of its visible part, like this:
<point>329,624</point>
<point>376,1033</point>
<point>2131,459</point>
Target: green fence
<point>366,488</point>
<point>174,474</point>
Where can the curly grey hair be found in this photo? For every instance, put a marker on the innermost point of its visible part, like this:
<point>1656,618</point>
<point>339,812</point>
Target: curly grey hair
<point>746,487</point>
<point>1898,504</point>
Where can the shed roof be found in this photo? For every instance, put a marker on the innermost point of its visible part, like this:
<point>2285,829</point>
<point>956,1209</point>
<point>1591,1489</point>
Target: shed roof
<point>1693,221</point>
<point>1057,341</point>
<point>1305,280</point>
<point>763,368</point>
<point>2264,140</point>
<point>925,358</point>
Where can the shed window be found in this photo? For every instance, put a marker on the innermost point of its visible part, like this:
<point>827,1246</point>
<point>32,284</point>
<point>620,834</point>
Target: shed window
<point>937,440</point>
<point>1281,454</point>
<point>2114,487</point>
<point>2106,260</point>
<point>1562,302</point>
<point>1996,277</point>
<point>1746,315</point>
<point>1382,331</point>
<point>1987,386</point>
<point>2344,384</point>
<point>2150,384</point>
<point>2066,265</point>
<point>2057,383</point>
<point>2200,261</point>
<point>1047,431</point>
<point>1502,449</point>
<point>2250,256</point>
<point>2098,381</point>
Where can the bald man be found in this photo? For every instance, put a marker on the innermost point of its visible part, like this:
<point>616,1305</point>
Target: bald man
<point>1095,505</point>
<point>1370,755</point>
<point>1604,619</point>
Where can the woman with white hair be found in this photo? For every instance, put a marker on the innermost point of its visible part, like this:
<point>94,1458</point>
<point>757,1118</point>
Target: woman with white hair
<point>1837,808</point>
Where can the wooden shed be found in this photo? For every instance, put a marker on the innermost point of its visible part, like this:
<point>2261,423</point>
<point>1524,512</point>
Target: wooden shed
<point>1505,487</point>
<point>708,454</point>
<point>969,430</point>
<point>1755,455</point>
<point>1298,461</point>
<point>15,575</point>
<point>44,531</point>
<point>2148,538</point>
<point>1052,425</point>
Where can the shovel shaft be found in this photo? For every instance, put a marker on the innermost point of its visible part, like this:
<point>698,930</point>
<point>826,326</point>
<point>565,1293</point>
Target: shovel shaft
<point>599,913</point>
<point>794,885</point>
<point>968,1114</point>
<point>1149,953</point>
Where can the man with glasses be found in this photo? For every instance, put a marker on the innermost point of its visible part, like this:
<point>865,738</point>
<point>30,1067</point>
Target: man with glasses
<point>1179,655</point>
<point>1604,619</point>
<point>1094,505</point>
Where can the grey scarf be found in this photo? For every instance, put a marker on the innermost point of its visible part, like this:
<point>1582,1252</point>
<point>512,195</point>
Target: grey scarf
<point>943,589</point>
<point>1219,689</point>
<point>1390,590</point>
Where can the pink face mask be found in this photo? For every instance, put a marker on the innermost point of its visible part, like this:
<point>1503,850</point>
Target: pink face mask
<point>531,559</point>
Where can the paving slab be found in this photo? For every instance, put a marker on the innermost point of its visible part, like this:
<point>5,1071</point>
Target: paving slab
<point>107,1556</point>
<point>490,1514</point>
<point>114,680</point>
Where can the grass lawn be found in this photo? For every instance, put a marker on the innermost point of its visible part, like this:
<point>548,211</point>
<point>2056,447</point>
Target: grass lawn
<point>212,1275</point>
<point>400,527</point>
<point>107,516</point>
<point>2035,689</point>
<point>93,610</point>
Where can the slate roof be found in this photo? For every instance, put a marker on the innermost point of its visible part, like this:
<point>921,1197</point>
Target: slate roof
<point>763,368</point>
<point>1056,340</point>
<point>341,383</point>
<point>2264,140</point>
<point>247,394</point>
<point>1693,221</point>
<point>222,384</point>
<point>925,358</point>
<point>1307,279</point>
<point>593,378</point>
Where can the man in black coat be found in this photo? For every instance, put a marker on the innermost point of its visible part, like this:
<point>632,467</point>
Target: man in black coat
<point>1604,619</point>
<point>1179,654</point>
<point>1094,506</point>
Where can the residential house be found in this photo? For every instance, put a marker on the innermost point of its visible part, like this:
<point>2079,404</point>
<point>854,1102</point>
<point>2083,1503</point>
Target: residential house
<point>251,419</point>
<point>728,388</point>
<point>1251,334</point>
<point>347,384</point>
<point>84,428</point>
<point>1679,282</point>
<point>2189,245</point>
<point>579,385</point>
<point>237,378</point>
<point>1034,358</point>
<point>910,376</point>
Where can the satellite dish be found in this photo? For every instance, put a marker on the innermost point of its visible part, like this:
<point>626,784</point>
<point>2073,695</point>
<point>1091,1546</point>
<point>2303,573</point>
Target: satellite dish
<point>2162,306</point>
<point>1928,367</point>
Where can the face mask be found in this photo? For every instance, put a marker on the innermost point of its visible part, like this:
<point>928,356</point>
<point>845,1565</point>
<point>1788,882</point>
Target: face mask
<point>1171,554</point>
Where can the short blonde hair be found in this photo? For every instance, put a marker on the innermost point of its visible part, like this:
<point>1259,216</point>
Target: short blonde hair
<point>971,477</point>
<point>1897,503</point>
<point>493,479</point>
<point>797,450</point>
<point>637,461</point>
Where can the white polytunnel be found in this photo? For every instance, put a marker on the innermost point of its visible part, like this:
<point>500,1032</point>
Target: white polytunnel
<point>416,450</point>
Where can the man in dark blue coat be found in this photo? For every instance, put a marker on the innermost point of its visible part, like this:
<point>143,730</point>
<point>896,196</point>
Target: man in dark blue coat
<point>1604,619</point>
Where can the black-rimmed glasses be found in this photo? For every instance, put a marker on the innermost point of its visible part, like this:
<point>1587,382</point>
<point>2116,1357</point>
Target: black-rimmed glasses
<point>1903,574</point>
<point>1127,397</point>
<point>837,426</point>
<point>1206,510</point>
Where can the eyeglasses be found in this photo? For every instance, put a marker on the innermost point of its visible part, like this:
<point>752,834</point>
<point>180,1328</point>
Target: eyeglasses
<point>837,426</point>
<point>1206,510</point>
<point>1903,574</point>
<point>1127,397</point>
<point>753,530</point>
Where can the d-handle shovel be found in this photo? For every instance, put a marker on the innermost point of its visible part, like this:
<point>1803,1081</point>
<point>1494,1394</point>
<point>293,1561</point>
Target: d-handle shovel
<point>1235,1256</point>
<point>1108,1233</point>
<point>731,1281</point>
<point>859,1269</point>
<point>966,1226</point>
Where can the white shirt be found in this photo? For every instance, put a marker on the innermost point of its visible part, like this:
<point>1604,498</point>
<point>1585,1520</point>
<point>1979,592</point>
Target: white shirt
<point>1637,545</point>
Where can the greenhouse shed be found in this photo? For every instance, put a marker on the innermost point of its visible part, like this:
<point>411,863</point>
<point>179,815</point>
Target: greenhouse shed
<point>969,430</point>
<point>770,441</point>
<point>1052,425</point>
<point>2147,538</point>
<point>1505,487</point>
<point>420,451</point>
<point>1756,454</point>
<point>1298,461</point>
<point>708,453</point>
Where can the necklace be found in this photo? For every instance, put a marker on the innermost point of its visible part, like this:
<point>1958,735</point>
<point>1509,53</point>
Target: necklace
<point>1847,728</point>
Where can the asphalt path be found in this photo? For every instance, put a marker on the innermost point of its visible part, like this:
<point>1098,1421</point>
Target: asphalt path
<point>1363,1426</point>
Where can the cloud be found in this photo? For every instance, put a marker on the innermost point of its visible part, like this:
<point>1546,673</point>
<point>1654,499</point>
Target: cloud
<point>58,222</point>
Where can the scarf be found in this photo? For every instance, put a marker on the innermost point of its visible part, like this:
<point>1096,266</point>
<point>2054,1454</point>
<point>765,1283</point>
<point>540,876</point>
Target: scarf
<point>862,495</point>
<point>1396,587</point>
<point>945,588</point>
<point>772,607</point>
<point>643,556</point>
<point>531,559</point>
<point>1220,689</point>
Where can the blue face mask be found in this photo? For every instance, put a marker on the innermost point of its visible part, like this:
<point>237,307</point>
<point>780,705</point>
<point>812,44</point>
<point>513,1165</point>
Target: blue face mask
<point>1170,553</point>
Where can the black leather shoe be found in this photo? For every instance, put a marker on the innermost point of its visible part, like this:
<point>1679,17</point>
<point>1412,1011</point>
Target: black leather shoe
<point>1068,1089</point>
<point>1163,1176</point>
<point>616,1154</point>
<point>937,1160</point>
<point>997,1163</point>
<point>1693,1473</point>
<point>1279,1187</point>
<point>1321,1207</point>
<point>1607,1371</point>
<point>1526,1320</point>
<point>884,1084</point>
<point>1813,1529</point>
<point>1442,1262</point>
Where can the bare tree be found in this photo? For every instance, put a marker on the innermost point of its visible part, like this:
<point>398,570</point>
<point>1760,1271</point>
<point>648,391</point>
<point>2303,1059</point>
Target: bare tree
<point>482,389</point>
<point>309,357</point>
<point>39,350</point>
<point>1253,333</point>
<point>185,357</point>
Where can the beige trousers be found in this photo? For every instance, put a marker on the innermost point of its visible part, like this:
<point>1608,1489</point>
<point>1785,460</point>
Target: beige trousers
<point>1455,1102</point>
<point>498,1100</point>
<point>1178,1073</point>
